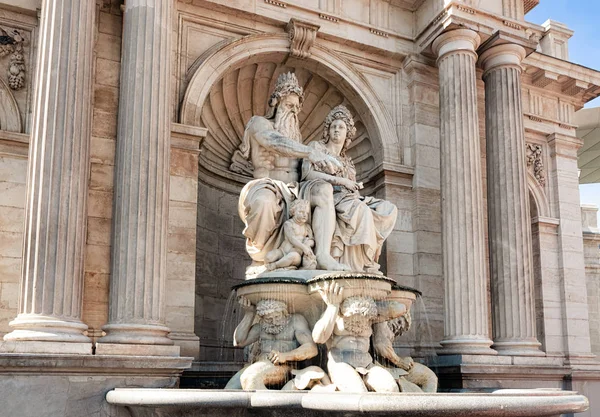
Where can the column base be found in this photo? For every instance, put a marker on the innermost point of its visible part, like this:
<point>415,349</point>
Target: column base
<point>467,345</point>
<point>122,349</point>
<point>518,347</point>
<point>33,327</point>
<point>136,334</point>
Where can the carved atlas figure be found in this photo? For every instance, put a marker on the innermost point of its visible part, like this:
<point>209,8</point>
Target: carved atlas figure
<point>280,338</point>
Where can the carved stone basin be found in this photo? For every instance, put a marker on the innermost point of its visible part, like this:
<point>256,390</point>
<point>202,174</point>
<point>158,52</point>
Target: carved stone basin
<point>299,289</point>
<point>188,402</point>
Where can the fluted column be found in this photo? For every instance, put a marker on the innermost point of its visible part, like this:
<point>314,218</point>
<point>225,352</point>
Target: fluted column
<point>463,245</point>
<point>509,223</point>
<point>139,245</point>
<point>58,166</point>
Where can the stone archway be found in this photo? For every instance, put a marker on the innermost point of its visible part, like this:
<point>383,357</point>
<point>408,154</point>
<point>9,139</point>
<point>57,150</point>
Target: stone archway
<point>232,82</point>
<point>10,118</point>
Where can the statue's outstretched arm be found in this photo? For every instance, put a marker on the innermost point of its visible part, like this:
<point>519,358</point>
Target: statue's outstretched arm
<point>262,131</point>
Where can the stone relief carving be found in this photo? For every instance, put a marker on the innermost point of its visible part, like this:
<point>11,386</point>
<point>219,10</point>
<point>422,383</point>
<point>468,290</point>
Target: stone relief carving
<point>535,161</point>
<point>302,36</point>
<point>12,43</point>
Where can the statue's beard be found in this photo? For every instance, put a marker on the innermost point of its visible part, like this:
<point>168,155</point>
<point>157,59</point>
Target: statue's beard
<point>357,325</point>
<point>286,123</point>
<point>276,327</point>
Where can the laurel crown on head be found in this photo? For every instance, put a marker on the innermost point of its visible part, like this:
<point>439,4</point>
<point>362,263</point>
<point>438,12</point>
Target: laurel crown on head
<point>286,84</point>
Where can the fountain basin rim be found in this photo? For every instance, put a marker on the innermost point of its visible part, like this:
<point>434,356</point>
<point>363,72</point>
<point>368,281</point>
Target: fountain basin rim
<point>326,277</point>
<point>258,281</point>
<point>513,403</point>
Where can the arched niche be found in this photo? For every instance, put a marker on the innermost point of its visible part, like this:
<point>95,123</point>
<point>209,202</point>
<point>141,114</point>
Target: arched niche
<point>537,197</point>
<point>231,82</point>
<point>10,118</point>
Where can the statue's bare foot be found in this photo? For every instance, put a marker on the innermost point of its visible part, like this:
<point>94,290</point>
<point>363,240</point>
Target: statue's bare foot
<point>375,271</point>
<point>254,269</point>
<point>328,263</point>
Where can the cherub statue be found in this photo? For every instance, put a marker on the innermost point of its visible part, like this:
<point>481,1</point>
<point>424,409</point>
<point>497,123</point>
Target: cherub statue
<point>281,338</point>
<point>298,242</point>
<point>412,376</point>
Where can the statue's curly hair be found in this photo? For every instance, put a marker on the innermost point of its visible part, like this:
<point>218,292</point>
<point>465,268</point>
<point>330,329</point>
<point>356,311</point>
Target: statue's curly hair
<point>359,304</point>
<point>340,113</point>
<point>298,203</point>
<point>264,307</point>
<point>400,325</point>
<point>287,83</point>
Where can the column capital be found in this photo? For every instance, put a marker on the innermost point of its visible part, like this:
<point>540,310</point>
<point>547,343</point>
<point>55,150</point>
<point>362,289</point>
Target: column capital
<point>456,40</point>
<point>504,55</point>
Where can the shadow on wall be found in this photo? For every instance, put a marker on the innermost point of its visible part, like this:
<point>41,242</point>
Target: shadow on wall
<point>221,260</point>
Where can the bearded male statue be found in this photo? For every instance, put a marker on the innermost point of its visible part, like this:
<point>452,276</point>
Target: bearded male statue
<point>273,146</point>
<point>411,376</point>
<point>279,339</point>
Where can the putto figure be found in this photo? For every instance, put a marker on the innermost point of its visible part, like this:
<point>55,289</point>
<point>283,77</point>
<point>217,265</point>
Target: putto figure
<point>298,242</point>
<point>346,328</point>
<point>281,338</point>
<point>411,376</point>
<point>273,146</point>
<point>363,223</point>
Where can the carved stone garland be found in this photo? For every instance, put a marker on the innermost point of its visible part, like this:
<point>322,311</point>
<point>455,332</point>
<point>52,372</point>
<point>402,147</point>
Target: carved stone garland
<point>13,44</point>
<point>534,159</point>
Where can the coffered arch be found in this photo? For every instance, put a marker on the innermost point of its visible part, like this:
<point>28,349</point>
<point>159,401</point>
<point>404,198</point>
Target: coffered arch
<point>233,82</point>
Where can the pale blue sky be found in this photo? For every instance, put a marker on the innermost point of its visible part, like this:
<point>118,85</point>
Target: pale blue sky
<point>582,16</point>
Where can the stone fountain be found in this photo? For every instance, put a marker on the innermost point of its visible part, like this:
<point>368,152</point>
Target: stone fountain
<point>314,286</point>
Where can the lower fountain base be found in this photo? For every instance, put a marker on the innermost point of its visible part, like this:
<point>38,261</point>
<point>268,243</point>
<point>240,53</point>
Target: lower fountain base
<point>234,403</point>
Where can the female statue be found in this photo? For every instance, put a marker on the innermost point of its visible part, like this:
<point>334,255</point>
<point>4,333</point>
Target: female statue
<point>363,223</point>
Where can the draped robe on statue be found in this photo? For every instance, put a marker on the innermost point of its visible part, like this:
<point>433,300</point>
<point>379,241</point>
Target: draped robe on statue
<point>363,223</point>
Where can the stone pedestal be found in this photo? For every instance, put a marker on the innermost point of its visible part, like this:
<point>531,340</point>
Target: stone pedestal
<point>463,245</point>
<point>59,161</point>
<point>509,223</point>
<point>139,246</point>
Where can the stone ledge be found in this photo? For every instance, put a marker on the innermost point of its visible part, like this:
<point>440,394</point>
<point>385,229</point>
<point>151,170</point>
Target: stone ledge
<point>36,347</point>
<point>122,349</point>
<point>23,363</point>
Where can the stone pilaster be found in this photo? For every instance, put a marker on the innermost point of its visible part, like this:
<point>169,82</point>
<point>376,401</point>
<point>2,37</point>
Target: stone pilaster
<point>509,223</point>
<point>463,244</point>
<point>59,162</point>
<point>139,245</point>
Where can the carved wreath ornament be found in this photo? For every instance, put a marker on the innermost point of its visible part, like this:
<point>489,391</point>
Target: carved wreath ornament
<point>534,159</point>
<point>12,43</point>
